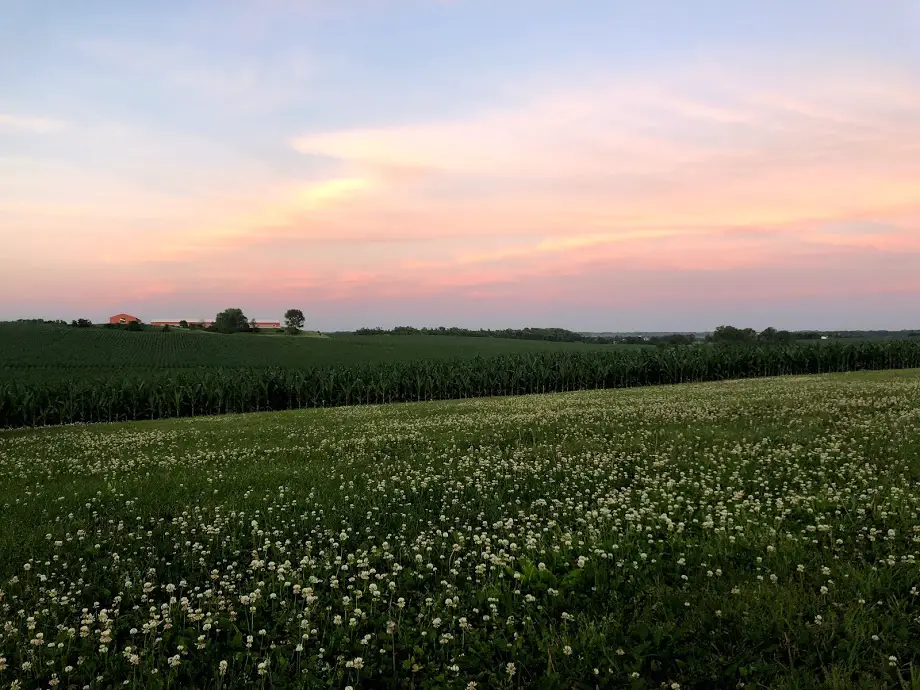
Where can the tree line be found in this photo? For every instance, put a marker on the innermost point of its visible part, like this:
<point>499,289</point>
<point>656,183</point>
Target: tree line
<point>723,334</point>
<point>228,321</point>
<point>235,321</point>
<point>730,335</point>
<point>560,335</point>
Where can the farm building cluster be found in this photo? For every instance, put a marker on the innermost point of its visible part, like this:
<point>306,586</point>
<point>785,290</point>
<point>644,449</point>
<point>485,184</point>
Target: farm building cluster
<point>203,323</point>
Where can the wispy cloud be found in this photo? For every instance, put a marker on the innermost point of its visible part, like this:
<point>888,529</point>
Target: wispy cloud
<point>654,176</point>
<point>30,123</point>
<point>622,155</point>
<point>649,122</point>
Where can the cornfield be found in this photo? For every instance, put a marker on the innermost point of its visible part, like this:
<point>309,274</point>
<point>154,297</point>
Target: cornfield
<point>153,395</point>
<point>38,352</point>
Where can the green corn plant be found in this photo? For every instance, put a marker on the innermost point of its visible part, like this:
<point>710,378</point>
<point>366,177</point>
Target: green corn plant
<point>44,397</point>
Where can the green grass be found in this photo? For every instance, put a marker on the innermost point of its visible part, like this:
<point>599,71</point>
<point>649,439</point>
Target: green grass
<point>760,532</point>
<point>41,352</point>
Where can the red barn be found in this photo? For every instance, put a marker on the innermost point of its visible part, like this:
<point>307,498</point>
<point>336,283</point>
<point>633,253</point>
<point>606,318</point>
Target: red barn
<point>123,318</point>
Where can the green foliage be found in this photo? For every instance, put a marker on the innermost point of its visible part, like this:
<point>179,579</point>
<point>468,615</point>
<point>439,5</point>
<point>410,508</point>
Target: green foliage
<point>773,336</point>
<point>758,533</point>
<point>733,336</point>
<point>729,335</point>
<point>46,352</point>
<point>37,322</point>
<point>179,393</point>
<point>294,320</point>
<point>183,324</point>
<point>231,321</point>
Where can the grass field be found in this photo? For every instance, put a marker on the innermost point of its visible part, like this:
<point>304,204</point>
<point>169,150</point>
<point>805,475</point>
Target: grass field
<point>39,352</point>
<point>759,533</point>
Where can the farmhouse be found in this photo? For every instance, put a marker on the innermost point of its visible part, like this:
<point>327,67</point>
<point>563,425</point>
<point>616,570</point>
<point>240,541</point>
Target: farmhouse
<point>123,318</point>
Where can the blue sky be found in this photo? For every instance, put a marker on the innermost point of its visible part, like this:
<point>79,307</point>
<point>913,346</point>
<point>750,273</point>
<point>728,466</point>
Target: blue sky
<point>594,165</point>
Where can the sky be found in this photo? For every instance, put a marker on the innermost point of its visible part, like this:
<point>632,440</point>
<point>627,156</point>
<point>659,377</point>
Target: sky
<point>599,165</point>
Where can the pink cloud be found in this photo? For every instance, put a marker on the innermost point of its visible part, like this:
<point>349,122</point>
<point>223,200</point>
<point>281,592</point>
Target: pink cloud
<point>603,194</point>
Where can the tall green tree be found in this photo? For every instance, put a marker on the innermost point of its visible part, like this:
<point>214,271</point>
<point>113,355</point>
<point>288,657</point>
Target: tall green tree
<point>732,335</point>
<point>768,335</point>
<point>294,320</point>
<point>773,336</point>
<point>231,321</point>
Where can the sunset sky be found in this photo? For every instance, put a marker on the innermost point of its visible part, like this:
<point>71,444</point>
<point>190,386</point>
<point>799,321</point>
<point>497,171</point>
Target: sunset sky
<point>603,165</point>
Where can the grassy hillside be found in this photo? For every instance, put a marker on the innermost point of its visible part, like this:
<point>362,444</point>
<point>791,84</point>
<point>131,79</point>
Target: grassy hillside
<point>44,350</point>
<point>759,532</point>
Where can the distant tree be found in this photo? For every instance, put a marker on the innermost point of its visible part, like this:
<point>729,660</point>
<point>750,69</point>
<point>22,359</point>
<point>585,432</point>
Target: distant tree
<point>183,324</point>
<point>231,321</point>
<point>767,335</point>
<point>733,336</point>
<point>165,328</point>
<point>774,337</point>
<point>294,320</point>
<point>252,325</point>
<point>680,339</point>
<point>134,326</point>
<point>81,323</point>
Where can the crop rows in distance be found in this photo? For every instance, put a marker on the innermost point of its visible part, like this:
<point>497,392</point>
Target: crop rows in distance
<point>204,391</point>
<point>54,350</point>
<point>760,533</point>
